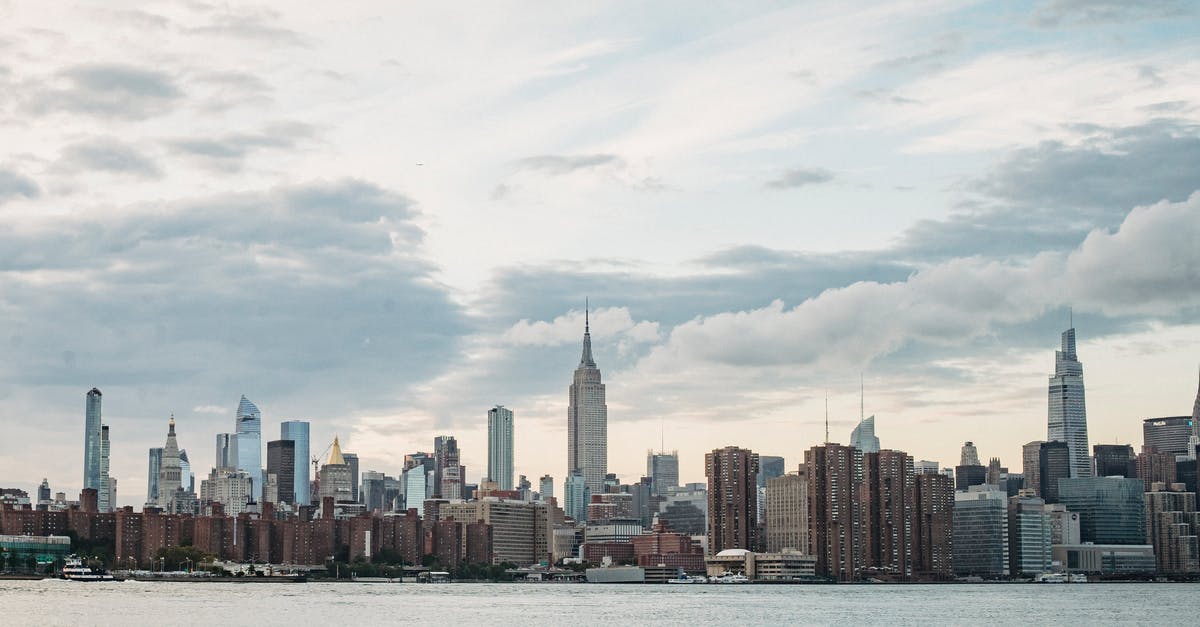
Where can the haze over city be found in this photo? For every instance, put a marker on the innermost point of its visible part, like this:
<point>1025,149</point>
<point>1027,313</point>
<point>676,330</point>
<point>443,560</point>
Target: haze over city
<point>386,222</point>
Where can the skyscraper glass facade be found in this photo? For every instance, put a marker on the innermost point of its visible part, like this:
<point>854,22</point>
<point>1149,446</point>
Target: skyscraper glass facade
<point>500,446</point>
<point>297,431</point>
<point>1112,510</point>
<point>1067,413</point>
<point>249,444</point>
<point>663,470</point>
<point>91,440</point>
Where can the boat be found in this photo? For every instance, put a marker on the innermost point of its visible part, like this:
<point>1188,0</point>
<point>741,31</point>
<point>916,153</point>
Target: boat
<point>75,570</point>
<point>730,578</point>
<point>688,579</point>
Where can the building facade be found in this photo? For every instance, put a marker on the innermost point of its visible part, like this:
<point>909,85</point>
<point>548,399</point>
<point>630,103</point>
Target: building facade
<point>500,446</point>
<point>1112,510</point>
<point>1167,435</point>
<point>981,533</point>
<point>863,436</point>
<point>170,473</point>
<point>1067,411</point>
<point>1114,460</point>
<point>732,474</point>
<point>91,440</point>
<point>663,470</point>
<point>933,526</point>
<point>248,432</point>
<point>281,462</point>
<point>297,431</point>
<point>836,517</point>
<point>787,513</point>
<point>587,420</point>
<point>888,481</point>
<point>1054,463</point>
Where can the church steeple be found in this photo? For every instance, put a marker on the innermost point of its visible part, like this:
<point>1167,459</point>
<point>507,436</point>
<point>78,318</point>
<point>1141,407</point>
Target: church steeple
<point>586,361</point>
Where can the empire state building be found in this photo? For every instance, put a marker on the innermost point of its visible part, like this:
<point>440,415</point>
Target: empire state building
<point>587,420</point>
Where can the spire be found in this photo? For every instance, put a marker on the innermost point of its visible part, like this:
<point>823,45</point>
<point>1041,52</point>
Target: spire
<point>1196,413</point>
<point>171,428</point>
<point>586,361</point>
<point>335,454</point>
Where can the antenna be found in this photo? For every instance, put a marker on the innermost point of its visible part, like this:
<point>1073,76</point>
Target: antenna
<point>862,414</point>
<point>827,416</point>
<point>1071,316</point>
<point>586,321</point>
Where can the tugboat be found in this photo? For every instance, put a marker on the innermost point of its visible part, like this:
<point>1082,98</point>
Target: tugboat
<point>75,570</point>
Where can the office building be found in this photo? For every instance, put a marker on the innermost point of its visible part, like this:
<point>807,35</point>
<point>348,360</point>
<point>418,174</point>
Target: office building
<point>372,489</point>
<point>522,533</point>
<point>91,440</point>
<point>981,533</point>
<point>170,475</point>
<point>1167,435</point>
<point>967,476</point>
<point>1031,460</point>
<point>447,483</point>
<point>1067,412</point>
<point>249,443</point>
<point>152,474</point>
<point>351,460</point>
<point>44,491</point>
<point>587,420</point>
<point>933,526</point>
<point>226,451</point>
<point>1156,467</point>
<point>1112,510</point>
<point>1054,463</point>
<point>888,512</point>
<point>281,462</point>
<point>1064,525</point>
<point>1106,559</point>
<point>969,456</point>
<point>229,487</point>
<point>546,488</point>
<point>334,477</point>
<point>663,470</point>
<point>925,467</point>
<point>836,517</point>
<point>500,446</point>
<point>297,431</point>
<point>732,474</point>
<point>863,436</point>
<point>187,480</point>
<point>787,513</point>
<point>685,510</point>
<point>1114,460</point>
<point>413,484</point>
<point>1029,536</point>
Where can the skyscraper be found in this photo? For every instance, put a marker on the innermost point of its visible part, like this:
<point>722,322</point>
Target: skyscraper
<point>575,497</point>
<point>888,492</point>
<point>335,476</point>
<point>249,443</point>
<point>91,440</point>
<point>1196,414</point>
<point>546,487</point>
<point>152,474</point>
<point>787,513</point>
<point>1115,460</point>
<point>587,420</point>
<point>863,436</point>
<point>1067,416</point>
<point>981,533</point>
<point>352,463</point>
<point>169,473</point>
<point>1054,463</point>
<point>500,446</point>
<point>281,462</point>
<point>1031,463</point>
<point>663,470</point>
<point>732,474</point>
<point>933,526</point>
<point>1112,510</point>
<point>445,455</point>
<point>187,480</point>
<point>297,431</point>
<point>1169,434</point>
<point>107,497</point>
<point>226,451</point>
<point>44,491</point>
<point>969,455</point>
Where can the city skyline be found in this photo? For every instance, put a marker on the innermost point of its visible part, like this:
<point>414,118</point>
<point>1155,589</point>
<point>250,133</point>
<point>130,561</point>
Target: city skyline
<point>765,202</point>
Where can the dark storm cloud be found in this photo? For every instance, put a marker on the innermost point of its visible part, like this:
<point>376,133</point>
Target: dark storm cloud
<point>1091,12</point>
<point>801,177</point>
<point>14,184</point>
<point>566,164</point>
<point>105,90</point>
<point>106,154</point>
<point>314,300</point>
<point>227,153</point>
<point>1049,196</point>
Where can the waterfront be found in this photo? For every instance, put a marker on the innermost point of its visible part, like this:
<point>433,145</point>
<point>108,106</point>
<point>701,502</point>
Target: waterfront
<point>66,603</point>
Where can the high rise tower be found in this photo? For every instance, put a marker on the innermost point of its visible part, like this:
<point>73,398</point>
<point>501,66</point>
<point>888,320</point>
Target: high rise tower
<point>863,436</point>
<point>500,446</point>
<point>170,474</point>
<point>297,431</point>
<point>1067,418</point>
<point>106,497</point>
<point>91,441</point>
<point>587,420</point>
<point>1196,414</point>
<point>249,444</point>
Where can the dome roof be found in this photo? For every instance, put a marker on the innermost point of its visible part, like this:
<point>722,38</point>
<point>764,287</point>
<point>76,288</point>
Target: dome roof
<point>733,553</point>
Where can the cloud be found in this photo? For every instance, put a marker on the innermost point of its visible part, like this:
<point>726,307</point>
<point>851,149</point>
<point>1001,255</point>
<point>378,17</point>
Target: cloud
<point>106,90</point>
<point>613,322</point>
<point>1092,12</point>
<point>261,27</point>
<point>228,89</point>
<point>227,153</point>
<point>106,154</point>
<point>14,184</point>
<point>800,177</point>
<point>557,165</point>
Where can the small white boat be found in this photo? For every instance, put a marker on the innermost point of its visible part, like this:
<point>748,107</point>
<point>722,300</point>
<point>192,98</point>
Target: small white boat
<point>688,579</point>
<point>730,578</point>
<point>75,570</point>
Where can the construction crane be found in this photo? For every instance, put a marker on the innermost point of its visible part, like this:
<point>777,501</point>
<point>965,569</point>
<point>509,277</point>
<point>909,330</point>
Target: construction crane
<point>316,459</point>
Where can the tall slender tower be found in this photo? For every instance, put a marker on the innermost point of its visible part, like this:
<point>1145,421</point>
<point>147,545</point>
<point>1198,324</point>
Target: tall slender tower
<point>587,420</point>
<point>249,444</point>
<point>1067,420</point>
<point>1196,414</point>
<point>91,441</point>
<point>106,498</point>
<point>500,446</point>
<point>170,474</point>
<point>297,431</point>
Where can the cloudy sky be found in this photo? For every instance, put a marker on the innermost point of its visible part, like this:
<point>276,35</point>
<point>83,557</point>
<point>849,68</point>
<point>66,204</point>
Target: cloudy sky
<point>386,219</point>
